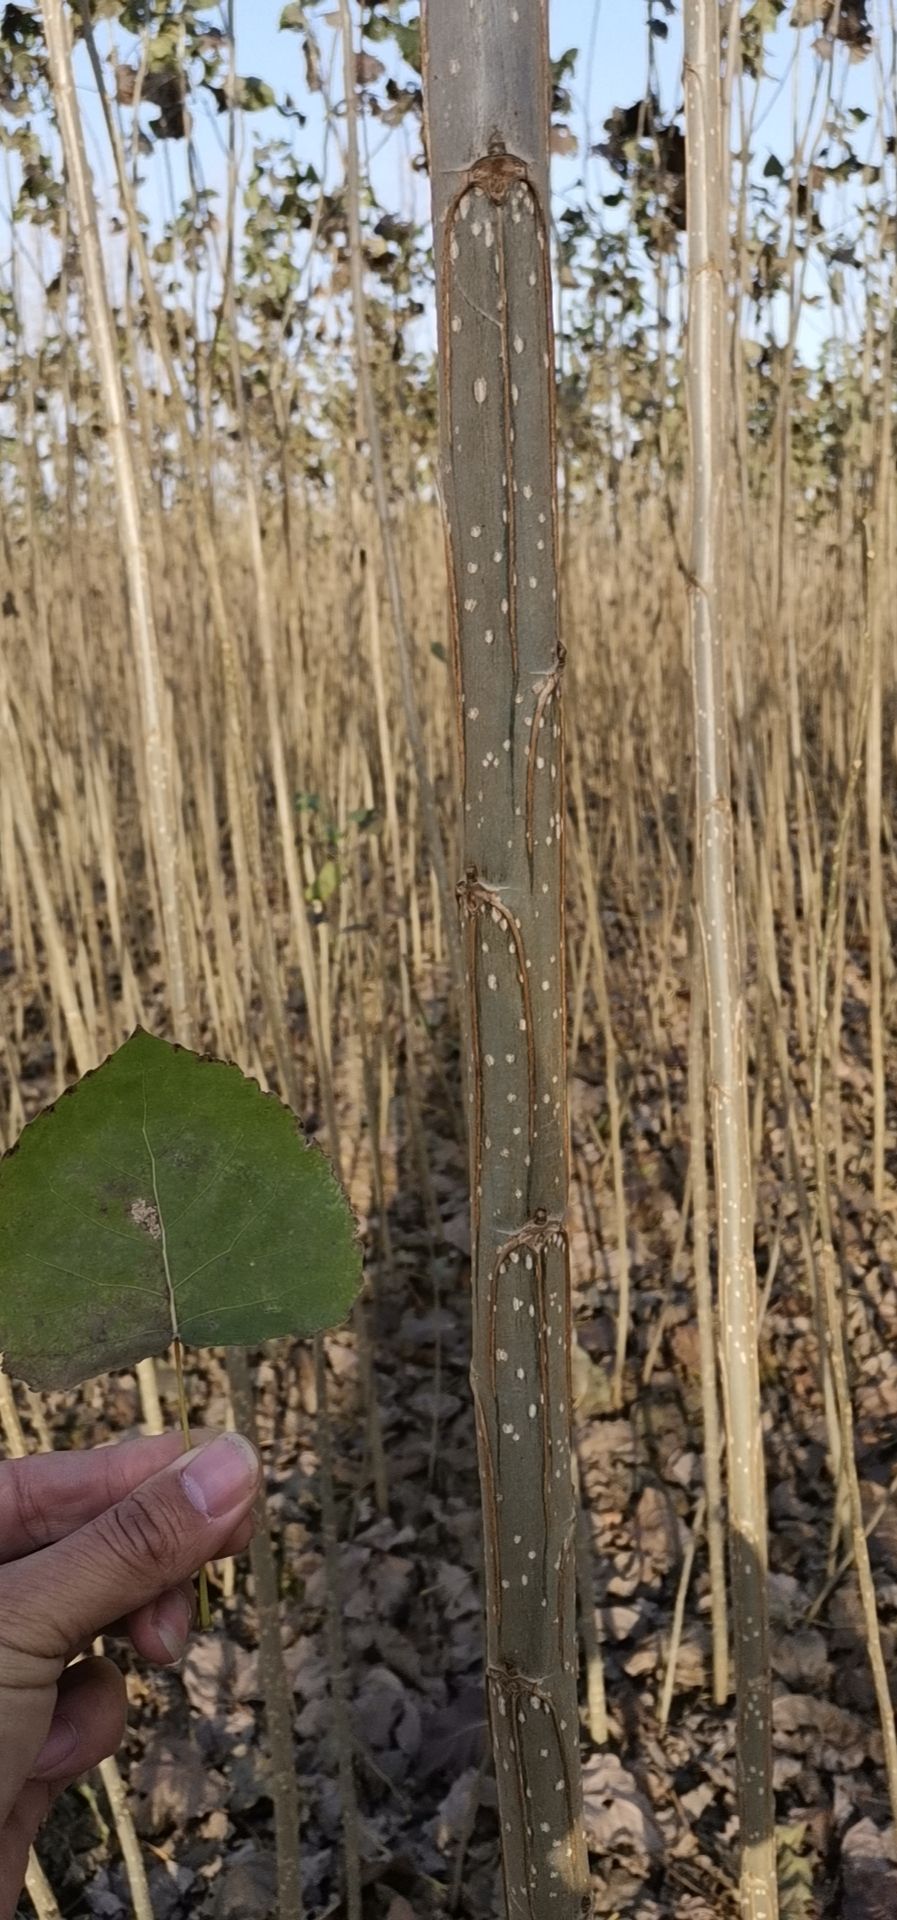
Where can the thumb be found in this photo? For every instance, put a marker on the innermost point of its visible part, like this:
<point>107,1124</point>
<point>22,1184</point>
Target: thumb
<point>57,1599</point>
<point>154,1538</point>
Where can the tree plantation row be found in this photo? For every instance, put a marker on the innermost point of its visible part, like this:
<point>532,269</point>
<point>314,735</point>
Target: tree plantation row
<point>447,706</point>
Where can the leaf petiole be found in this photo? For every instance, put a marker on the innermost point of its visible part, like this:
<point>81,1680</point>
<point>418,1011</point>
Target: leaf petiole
<point>205,1614</point>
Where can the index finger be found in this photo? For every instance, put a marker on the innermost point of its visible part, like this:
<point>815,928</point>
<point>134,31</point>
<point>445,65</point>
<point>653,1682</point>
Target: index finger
<point>46,1496</point>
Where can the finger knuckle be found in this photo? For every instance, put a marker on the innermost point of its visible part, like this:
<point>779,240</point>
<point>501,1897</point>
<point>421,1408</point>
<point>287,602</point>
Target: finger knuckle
<point>142,1532</point>
<point>30,1658</point>
<point>32,1650</point>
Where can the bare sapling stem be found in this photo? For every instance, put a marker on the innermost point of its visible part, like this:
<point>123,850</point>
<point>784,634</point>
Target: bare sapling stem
<point>381,502</point>
<point>277,1695</point>
<point>486,91</point>
<point>717,924</point>
<point>829,1265</point>
<point>593,921</point>
<point>707,1336</point>
<point>202,1583</point>
<point>164,826</point>
<point>40,1892</point>
<point>338,1677</point>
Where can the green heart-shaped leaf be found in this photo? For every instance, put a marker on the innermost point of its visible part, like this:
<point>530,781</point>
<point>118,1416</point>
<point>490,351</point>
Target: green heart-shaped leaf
<point>165,1194</point>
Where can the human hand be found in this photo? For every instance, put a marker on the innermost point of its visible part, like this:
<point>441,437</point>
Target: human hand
<point>90,1543</point>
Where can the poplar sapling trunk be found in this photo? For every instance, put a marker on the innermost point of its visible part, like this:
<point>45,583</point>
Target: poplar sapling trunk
<point>486,82</point>
<point>159,754</point>
<point>717,923</point>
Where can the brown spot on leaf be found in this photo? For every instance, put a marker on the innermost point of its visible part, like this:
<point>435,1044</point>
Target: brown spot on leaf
<point>144,1214</point>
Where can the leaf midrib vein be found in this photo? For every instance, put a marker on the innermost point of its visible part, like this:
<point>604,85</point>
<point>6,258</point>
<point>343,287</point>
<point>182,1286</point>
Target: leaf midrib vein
<point>172,1305</point>
<point>174,1287</point>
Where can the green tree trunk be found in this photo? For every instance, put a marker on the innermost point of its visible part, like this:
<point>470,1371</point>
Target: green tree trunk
<point>487,99</point>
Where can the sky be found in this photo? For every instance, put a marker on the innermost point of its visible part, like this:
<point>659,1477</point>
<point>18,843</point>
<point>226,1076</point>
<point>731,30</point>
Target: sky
<point>620,40</point>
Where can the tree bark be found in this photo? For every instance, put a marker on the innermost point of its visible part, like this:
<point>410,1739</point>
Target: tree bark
<point>486,82</point>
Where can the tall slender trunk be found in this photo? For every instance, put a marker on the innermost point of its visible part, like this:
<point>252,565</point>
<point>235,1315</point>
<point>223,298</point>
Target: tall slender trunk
<point>832,1279</point>
<point>370,417</point>
<point>718,932</point>
<point>707,1337</point>
<point>274,1678</point>
<point>487,100</point>
<point>880,610</point>
<point>164,826</point>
